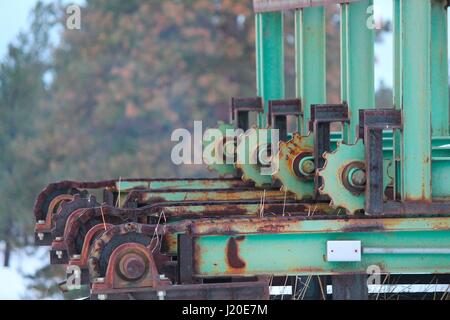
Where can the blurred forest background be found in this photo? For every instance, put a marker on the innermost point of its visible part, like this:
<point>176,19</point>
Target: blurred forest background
<point>101,102</point>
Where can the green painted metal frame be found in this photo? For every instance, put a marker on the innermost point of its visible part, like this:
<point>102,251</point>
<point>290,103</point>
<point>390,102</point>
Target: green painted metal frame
<point>310,60</point>
<point>439,69</point>
<point>397,138</point>
<point>233,247</point>
<point>269,59</point>
<point>357,49</point>
<point>415,22</point>
<point>299,247</point>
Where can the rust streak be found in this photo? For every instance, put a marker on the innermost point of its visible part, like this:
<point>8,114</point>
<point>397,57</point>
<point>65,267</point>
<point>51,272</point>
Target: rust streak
<point>232,253</point>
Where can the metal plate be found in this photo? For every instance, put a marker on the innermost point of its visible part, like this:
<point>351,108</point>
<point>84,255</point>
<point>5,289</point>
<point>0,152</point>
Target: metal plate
<point>343,251</point>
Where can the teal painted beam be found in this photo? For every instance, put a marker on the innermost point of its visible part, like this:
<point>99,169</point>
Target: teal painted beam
<point>259,55</point>
<point>441,177</point>
<point>360,36</point>
<point>397,94</point>
<point>416,99</point>
<point>269,59</point>
<point>344,48</point>
<point>343,39</point>
<point>439,69</point>
<point>300,247</point>
<point>310,60</point>
<point>397,54</point>
<point>179,184</point>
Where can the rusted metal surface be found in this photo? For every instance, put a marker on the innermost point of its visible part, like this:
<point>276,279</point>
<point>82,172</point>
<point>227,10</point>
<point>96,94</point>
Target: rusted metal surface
<point>80,225</point>
<point>257,289</point>
<point>299,246</point>
<point>67,209</point>
<point>103,247</point>
<point>43,228</point>
<point>321,118</point>
<point>70,233</point>
<point>411,208</point>
<point>81,260</point>
<point>384,119</point>
<point>371,126</point>
<point>147,197</point>
<point>56,193</point>
<point>185,259</point>
<point>232,253</point>
<point>315,224</point>
<point>72,187</point>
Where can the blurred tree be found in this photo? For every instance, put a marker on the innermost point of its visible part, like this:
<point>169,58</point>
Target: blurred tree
<point>136,71</point>
<point>22,93</point>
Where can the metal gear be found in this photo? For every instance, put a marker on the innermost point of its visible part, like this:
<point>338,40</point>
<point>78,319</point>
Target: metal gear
<point>295,166</point>
<point>343,176</point>
<point>226,147</point>
<point>254,159</point>
<point>83,200</point>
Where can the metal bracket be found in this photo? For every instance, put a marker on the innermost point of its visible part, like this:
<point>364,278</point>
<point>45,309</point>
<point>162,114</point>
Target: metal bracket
<point>185,259</point>
<point>322,115</point>
<point>240,109</point>
<point>371,125</point>
<point>279,110</point>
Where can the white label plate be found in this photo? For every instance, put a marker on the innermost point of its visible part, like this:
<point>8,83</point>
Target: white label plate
<point>344,251</point>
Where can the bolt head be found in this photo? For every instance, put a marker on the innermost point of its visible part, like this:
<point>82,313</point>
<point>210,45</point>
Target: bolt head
<point>99,280</point>
<point>132,266</point>
<point>308,167</point>
<point>359,177</point>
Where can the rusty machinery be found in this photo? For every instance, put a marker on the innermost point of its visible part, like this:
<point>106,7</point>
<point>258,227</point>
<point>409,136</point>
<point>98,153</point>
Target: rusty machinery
<point>375,194</point>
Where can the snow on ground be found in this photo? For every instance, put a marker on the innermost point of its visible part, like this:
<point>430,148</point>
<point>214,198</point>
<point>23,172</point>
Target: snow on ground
<point>13,282</point>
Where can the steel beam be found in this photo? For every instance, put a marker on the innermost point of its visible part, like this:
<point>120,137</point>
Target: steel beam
<point>343,46</point>
<point>397,94</point>
<point>397,54</point>
<point>359,67</point>
<point>439,69</point>
<point>299,247</point>
<point>416,99</point>
<point>269,59</point>
<point>357,85</point>
<point>310,60</point>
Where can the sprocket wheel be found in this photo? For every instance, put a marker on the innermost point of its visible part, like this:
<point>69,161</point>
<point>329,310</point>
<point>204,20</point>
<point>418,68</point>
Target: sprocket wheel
<point>296,166</point>
<point>220,148</point>
<point>253,159</point>
<point>339,164</point>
